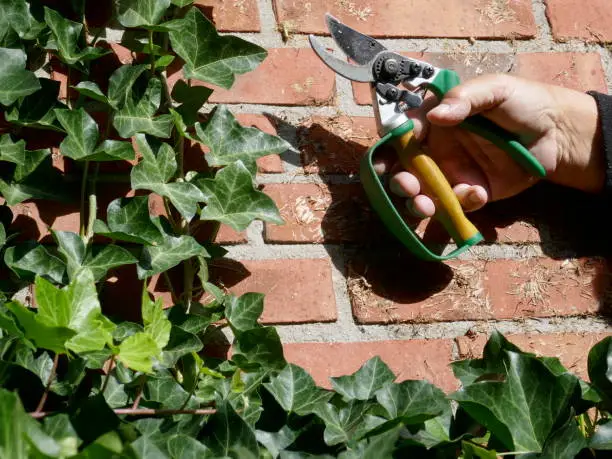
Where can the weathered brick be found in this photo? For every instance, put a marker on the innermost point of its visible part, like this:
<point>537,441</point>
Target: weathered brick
<point>402,289</point>
<point>580,71</point>
<point>315,213</point>
<point>394,18</point>
<point>231,16</point>
<point>571,349</point>
<point>575,19</point>
<point>408,359</point>
<point>288,76</point>
<point>335,145</point>
<point>297,291</point>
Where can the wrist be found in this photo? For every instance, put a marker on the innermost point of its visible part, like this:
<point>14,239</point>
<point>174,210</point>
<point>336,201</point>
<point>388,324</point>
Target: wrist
<point>580,158</point>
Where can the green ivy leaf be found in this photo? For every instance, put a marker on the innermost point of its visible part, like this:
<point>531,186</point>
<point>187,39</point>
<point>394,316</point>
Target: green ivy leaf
<point>140,13</point>
<point>145,448</point>
<point>155,321</point>
<point>163,389</point>
<point>567,441</point>
<point>160,258</point>
<point>232,199</point>
<point>182,3</point>
<point>137,352</point>
<point>60,428</point>
<point>228,435</point>
<point>115,394</point>
<point>259,346</point>
<point>600,369</point>
<point>296,391</point>
<point>362,384</point>
<point>108,445</point>
<point>30,259</point>
<point>82,133</point>
<point>37,109</point>
<point>154,172</point>
<point>180,343</point>
<point>208,56</point>
<point>102,259</point>
<point>522,410</point>
<point>473,451</point>
<point>121,82</point>
<point>138,113</point>
<point>15,81</point>
<point>129,221</point>
<point>67,35</point>
<point>344,423</point>
<point>377,447</point>
<point>91,90</point>
<point>230,142</point>
<point>275,442</point>
<point>16,17</point>
<point>191,99</point>
<point>244,311</point>
<point>412,402</point>
<point>13,152</point>
<point>184,447</point>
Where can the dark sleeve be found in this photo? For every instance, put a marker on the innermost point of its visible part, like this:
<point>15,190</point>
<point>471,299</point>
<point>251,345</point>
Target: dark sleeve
<point>604,104</point>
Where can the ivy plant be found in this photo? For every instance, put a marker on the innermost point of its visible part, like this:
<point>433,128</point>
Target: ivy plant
<point>76,381</point>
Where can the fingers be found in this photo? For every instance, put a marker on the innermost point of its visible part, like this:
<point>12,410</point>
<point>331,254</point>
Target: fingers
<point>475,96</point>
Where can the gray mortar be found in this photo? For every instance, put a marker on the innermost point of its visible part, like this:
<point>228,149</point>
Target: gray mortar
<point>345,329</point>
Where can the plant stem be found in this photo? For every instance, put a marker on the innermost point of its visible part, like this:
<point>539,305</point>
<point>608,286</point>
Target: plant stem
<point>141,412</point>
<point>170,287</point>
<point>188,284</point>
<point>43,399</point>
<point>152,54</point>
<point>140,392</point>
<point>83,191</point>
<point>93,207</point>
<point>110,369</point>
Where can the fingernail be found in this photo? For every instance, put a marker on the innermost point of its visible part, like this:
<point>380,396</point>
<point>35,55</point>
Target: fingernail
<point>442,109</point>
<point>412,210</point>
<point>396,189</point>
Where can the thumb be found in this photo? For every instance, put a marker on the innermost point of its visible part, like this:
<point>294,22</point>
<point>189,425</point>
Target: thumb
<point>475,96</point>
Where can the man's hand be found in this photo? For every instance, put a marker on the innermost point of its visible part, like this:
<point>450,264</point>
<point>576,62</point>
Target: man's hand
<point>559,126</point>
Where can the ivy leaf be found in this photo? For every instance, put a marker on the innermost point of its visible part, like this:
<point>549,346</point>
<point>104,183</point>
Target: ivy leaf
<point>208,56</point>
<point>600,368</point>
<point>275,442</point>
<point>191,99</point>
<point>60,428</point>
<point>137,352</point>
<point>180,343</point>
<point>377,447</point>
<point>295,390</point>
<point>129,220</point>
<point>345,422</point>
<point>67,35</point>
<point>567,441</point>
<point>160,258</point>
<point>362,384</point>
<point>522,410</point>
<point>16,16</point>
<point>140,13</point>
<point>182,3</point>
<point>93,336</point>
<point>228,435</point>
<point>230,142</point>
<point>91,90</point>
<point>163,389</point>
<point>184,447</point>
<point>115,394</point>
<point>145,448</point>
<point>41,334</point>
<point>82,133</point>
<point>473,451</point>
<point>121,82</point>
<point>156,169</point>
<point>260,346</point>
<point>36,109</point>
<point>101,259</point>
<point>412,401</point>
<point>232,199</point>
<point>244,311</point>
<point>113,150</point>
<point>155,321</point>
<point>15,81</point>
<point>138,113</point>
<point>30,259</point>
<point>13,152</point>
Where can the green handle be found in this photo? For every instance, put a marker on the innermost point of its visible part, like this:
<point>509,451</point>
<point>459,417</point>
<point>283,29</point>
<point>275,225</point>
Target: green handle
<point>478,124</point>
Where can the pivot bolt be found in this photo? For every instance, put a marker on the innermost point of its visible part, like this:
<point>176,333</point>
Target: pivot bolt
<point>415,69</point>
<point>391,67</point>
<point>428,71</point>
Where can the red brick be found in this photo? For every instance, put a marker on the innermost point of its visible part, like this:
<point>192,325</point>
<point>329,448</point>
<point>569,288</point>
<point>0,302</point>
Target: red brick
<point>402,289</point>
<point>315,213</point>
<point>297,291</point>
<point>288,76</point>
<point>580,71</point>
<point>395,18</point>
<point>573,19</point>
<point>571,349</point>
<point>335,145</point>
<point>409,359</point>
<point>231,16</point>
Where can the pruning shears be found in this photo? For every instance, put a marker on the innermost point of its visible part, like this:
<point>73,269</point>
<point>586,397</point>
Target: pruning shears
<point>385,71</point>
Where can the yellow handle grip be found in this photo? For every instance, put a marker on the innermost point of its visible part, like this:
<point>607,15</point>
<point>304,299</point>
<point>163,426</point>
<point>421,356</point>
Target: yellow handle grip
<point>434,184</point>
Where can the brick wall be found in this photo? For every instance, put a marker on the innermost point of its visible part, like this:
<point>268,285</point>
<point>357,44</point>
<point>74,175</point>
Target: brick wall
<point>339,287</point>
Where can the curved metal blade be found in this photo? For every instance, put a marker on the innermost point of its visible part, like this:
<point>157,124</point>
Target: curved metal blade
<point>361,73</point>
<point>359,47</point>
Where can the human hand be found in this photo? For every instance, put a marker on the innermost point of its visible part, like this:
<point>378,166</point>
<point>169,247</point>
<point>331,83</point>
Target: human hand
<point>559,126</point>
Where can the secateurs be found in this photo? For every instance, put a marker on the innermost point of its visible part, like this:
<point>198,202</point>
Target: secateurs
<point>397,83</point>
